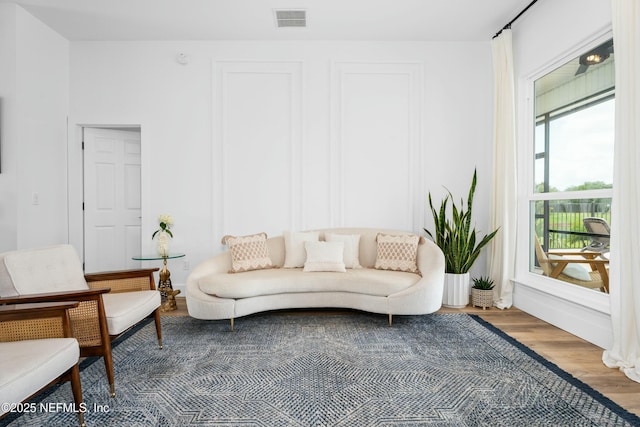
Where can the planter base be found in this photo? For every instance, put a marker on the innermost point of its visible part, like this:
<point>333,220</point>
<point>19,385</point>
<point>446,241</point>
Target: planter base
<point>482,298</point>
<point>456,290</point>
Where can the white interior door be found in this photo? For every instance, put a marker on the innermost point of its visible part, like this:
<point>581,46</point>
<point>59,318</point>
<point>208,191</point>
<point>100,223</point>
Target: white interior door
<point>112,207</point>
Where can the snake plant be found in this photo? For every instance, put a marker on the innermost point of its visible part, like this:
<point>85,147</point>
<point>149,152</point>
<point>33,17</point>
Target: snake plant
<point>455,236</point>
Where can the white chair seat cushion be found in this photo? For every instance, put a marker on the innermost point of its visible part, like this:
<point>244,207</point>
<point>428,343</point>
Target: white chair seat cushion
<point>284,280</point>
<point>29,365</point>
<point>125,309</point>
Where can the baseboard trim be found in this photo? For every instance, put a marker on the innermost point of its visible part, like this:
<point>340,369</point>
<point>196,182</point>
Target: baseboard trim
<point>584,322</point>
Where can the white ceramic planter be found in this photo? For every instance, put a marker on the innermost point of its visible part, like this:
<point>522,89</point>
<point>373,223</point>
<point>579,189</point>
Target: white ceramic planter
<point>456,290</point>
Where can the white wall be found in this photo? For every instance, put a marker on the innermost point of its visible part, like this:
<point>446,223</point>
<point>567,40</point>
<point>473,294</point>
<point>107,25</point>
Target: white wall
<point>267,136</point>
<point>8,129</point>
<point>34,91</point>
<point>549,34</point>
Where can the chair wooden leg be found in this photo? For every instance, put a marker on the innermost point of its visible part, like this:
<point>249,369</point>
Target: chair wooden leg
<point>108,364</point>
<point>76,388</point>
<point>156,316</point>
<point>105,348</point>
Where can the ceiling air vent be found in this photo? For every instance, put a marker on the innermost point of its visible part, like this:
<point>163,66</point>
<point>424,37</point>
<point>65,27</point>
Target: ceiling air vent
<point>291,18</point>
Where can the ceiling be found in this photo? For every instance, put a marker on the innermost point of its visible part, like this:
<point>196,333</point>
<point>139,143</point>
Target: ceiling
<point>418,20</point>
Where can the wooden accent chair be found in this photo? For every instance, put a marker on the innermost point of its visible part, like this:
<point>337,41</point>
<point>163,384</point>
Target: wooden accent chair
<point>37,351</point>
<point>110,303</point>
<point>554,264</point>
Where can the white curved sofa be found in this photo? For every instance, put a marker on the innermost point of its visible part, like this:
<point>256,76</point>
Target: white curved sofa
<point>212,293</point>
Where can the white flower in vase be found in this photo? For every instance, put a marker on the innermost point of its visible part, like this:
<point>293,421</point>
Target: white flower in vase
<point>163,233</point>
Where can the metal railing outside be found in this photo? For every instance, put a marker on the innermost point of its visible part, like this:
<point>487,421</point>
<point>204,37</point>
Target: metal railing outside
<point>562,224</point>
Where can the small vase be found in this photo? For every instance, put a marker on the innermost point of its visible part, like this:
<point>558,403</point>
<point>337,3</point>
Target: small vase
<point>162,244</point>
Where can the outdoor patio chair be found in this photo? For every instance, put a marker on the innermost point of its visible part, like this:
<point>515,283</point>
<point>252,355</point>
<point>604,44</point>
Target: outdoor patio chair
<point>110,303</point>
<point>556,265</point>
<point>37,351</point>
<point>600,242</point>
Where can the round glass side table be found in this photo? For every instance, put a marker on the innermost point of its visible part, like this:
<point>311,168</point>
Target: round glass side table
<point>164,284</point>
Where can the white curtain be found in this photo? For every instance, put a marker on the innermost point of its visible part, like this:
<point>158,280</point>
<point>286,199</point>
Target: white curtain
<point>502,248</point>
<point>625,212</point>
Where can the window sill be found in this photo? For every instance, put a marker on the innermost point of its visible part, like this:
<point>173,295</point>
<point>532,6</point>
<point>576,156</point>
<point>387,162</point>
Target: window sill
<point>575,294</point>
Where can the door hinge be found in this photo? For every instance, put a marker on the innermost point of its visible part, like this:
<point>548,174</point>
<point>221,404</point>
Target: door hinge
<point>83,145</point>
<point>82,205</point>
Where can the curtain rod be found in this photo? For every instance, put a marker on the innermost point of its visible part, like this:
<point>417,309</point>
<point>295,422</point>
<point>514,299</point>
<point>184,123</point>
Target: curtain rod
<point>514,19</point>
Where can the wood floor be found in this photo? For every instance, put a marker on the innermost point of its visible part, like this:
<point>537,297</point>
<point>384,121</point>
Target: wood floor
<point>578,357</point>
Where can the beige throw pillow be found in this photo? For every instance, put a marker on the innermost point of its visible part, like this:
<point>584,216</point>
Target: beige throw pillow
<point>397,252</point>
<point>351,248</point>
<point>324,256</point>
<point>248,252</point>
<point>294,251</point>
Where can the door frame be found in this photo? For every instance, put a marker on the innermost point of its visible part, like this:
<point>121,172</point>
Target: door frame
<point>75,181</point>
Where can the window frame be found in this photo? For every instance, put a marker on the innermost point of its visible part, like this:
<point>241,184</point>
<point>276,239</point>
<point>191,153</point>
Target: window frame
<point>527,122</point>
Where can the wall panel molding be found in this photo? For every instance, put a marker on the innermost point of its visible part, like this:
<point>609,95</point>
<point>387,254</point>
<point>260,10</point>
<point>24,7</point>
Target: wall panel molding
<point>269,139</point>
<point>376,106</point>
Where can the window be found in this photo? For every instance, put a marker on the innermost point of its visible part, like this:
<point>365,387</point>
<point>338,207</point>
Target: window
<point>573,166</point>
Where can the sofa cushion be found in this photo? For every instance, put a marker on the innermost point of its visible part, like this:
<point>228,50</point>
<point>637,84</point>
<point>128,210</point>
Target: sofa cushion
<point>397,252</point>
<point>295,254</point>
<point>29,365</point>
<point>324,256</point>
<point>125,309</point>
<point>280,281</point>
<point>248,252</point>
<point>351,253</point>
<point>49,269</point>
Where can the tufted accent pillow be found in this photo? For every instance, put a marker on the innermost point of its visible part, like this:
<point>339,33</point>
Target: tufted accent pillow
<point>397,252</point>
<point>248,252</point>
<point>6,285</point>
<point>48,269</point>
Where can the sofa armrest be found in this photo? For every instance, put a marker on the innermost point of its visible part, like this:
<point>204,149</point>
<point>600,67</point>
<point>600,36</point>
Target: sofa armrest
<point>123,281</point>
<point>425,296</point>
<point>217,264</point>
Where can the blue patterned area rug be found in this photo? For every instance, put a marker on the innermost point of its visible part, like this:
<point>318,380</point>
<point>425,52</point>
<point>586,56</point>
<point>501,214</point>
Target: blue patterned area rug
<point>330,369</point>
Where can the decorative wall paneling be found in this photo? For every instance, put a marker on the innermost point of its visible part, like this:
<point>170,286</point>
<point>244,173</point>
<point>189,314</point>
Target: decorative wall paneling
<point>376,134</point>
<point>257,146</point>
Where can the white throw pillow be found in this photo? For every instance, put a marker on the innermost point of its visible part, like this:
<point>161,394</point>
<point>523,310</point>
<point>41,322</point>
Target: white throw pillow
<point>324,256</point>
<point>294,251</point>
<point>351,248</point>
<point>575,271</point>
